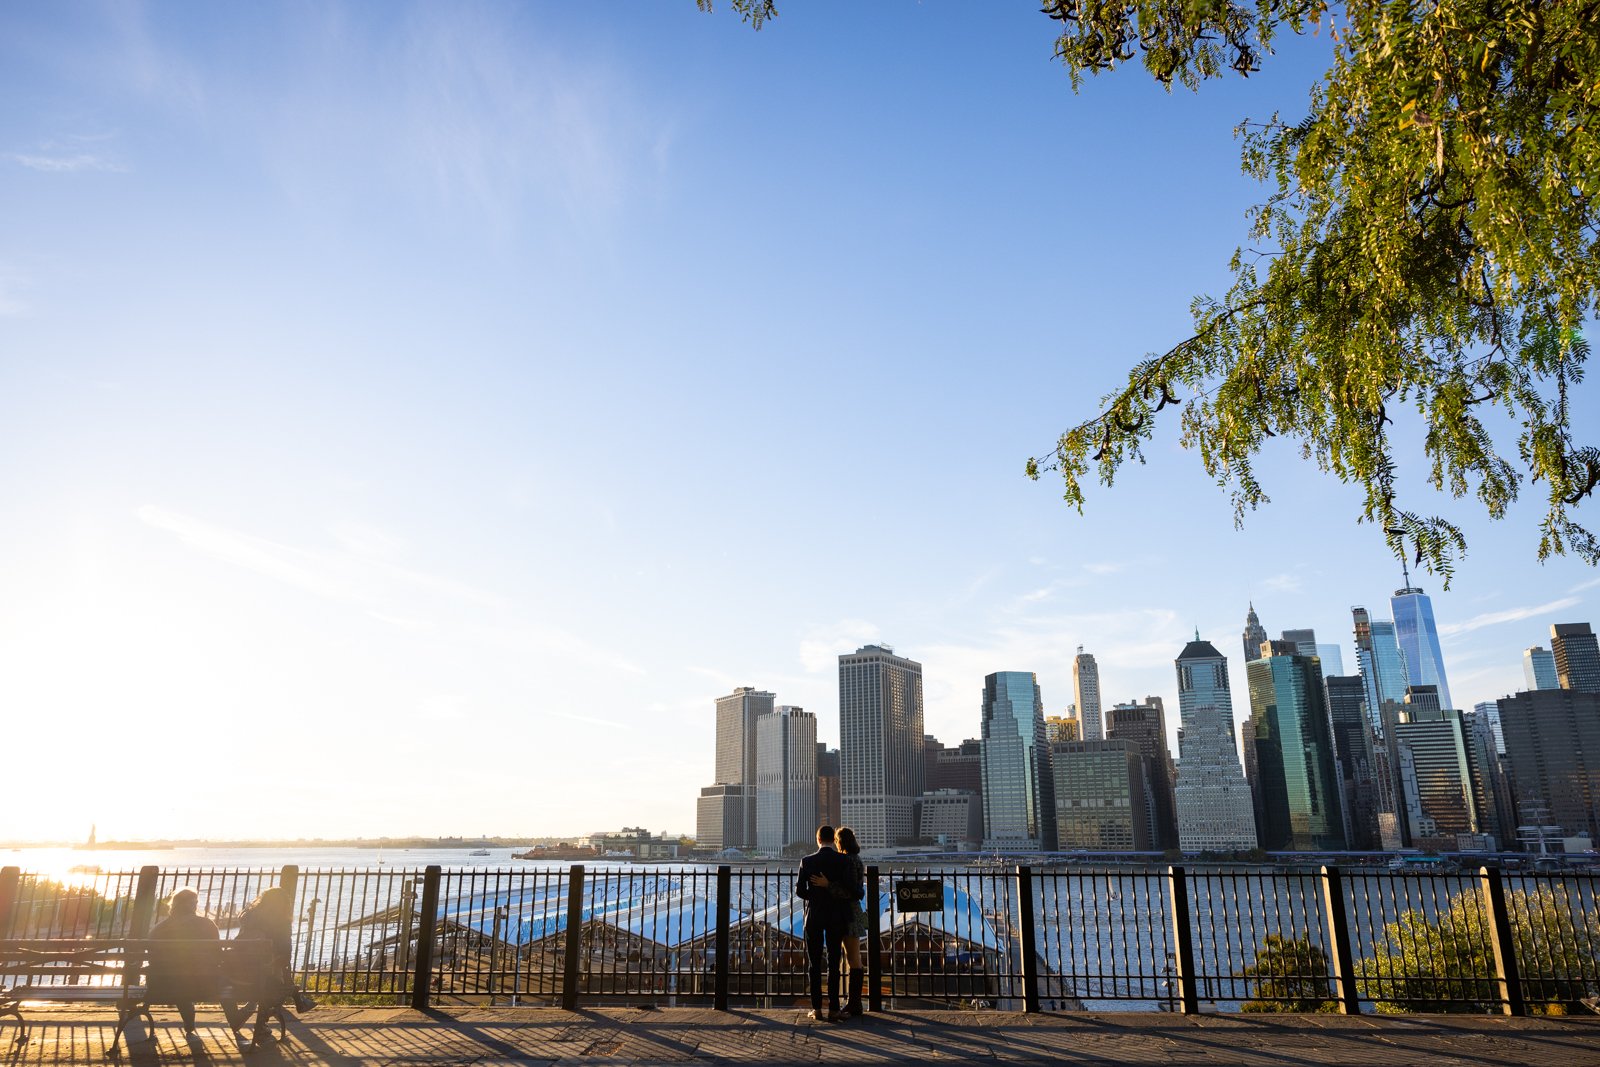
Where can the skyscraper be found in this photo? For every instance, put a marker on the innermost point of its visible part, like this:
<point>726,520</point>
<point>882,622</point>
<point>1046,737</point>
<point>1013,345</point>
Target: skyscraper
<point>1086,692</point>
<point>828,786</point>
<point>880,744</point>
<point>1440,799</point>
<point>1255,635</point>
<point>1100,796</point>
<point>1300,805</point>
<point>1382,665</point>
<point>1419,639</point>
<point>1214,807</point>
<point>1332,658</point>
<point>1144,725</point>
<point>1490,793</point>
<point>1539,668</point>
<point>1352,732</point>
<point>786,779</point>
<point>1018,795</point>
<point>1572,644</point>
<point>721,816</point>
<point>1553,744</point>
<point>736,747</point>
<point>1304,641</point>
<point>957,767</point>
<point>736,734</point>
<point>1062,728</point>
<point>735,766</point>
<point>954,769</point>
<point>1491,714</point>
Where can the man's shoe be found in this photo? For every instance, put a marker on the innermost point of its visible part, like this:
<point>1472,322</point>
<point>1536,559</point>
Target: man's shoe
<point>303,1002</point>
<point>836,1016</point>
<point>854,1010</point>
<point>814,1013</point>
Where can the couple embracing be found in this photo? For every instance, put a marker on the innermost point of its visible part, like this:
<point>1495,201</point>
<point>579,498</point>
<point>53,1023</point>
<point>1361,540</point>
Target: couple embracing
<point>832,882</point>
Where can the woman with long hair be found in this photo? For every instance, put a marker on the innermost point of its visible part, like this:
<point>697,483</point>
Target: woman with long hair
<point>857,929</point>
<point>267,985</point>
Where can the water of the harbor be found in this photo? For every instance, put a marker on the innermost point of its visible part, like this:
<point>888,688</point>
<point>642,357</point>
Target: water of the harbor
<point>63,860</point>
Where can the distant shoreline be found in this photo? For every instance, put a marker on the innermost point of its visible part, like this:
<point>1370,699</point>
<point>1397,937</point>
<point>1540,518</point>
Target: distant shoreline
<point>317,842</point>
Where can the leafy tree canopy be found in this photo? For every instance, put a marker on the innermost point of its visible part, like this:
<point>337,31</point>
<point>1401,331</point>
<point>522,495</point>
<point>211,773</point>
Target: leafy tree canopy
<point>1430,240</point>
<point>1289,974</point>
<point>1447,965</point>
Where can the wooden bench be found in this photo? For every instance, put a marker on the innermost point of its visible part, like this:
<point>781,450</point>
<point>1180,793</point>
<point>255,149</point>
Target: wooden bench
<point>110,971</point>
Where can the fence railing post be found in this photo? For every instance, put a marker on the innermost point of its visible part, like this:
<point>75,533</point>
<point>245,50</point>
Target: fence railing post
<point>144,903</point>
<point>289,882</point>
<point>144,914</point>
<point>1183,943</point>
<point>9,879</point>
<point>1507,974</point>
<point>574,938</point>
<point>1339,937</point>
<point>719,999</point>
<point>408,918</point>
<point>874,943</point>
<point>1027,944</point>
<point>427,926</point>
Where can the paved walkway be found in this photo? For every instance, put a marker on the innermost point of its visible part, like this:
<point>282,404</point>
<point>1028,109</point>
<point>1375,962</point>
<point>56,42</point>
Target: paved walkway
<point>357,1037</point>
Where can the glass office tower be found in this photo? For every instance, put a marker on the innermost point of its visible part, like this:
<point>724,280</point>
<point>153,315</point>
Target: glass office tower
<point>1382,666</point>
<point>1300,801</point>
<point>1419,640</point>
<point>1539,668</point>
<point>1019,804</point>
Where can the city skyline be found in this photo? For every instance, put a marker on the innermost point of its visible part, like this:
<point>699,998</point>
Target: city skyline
<point>371,373</point>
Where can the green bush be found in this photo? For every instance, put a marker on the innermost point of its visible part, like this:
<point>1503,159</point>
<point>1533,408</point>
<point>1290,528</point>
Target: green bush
<point>1289,974</point>
<point>1448,965</point>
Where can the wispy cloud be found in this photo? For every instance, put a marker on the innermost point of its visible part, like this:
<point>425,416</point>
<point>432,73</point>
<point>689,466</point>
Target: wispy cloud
<point>1103,568</point>
<point>304,570</point>
<point>1581,586</point>
<point>387,592</point>
<point>76,163</point>
<point>821,646</point>
<point>1283,583</point>
<point>1494,618</point>
<point>1029,601</point>
<point>466,109</point>
<point>142,61</point>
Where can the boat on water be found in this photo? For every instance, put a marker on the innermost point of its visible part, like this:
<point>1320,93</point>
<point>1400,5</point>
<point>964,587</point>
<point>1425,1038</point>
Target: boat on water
<point>479,852</point>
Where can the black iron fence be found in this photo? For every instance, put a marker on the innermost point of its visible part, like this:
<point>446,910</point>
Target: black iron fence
<point>1015,938</point>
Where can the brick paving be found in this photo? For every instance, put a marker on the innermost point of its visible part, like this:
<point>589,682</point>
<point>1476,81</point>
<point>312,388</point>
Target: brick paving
<point>381,1037</point>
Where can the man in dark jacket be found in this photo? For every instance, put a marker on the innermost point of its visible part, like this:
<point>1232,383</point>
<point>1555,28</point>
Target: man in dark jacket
<point>826,919</point>
<point>186,959</point>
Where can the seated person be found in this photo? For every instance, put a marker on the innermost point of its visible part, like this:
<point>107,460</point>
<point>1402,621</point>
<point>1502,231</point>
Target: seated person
<point>266,982</point>
<point>185,958</point>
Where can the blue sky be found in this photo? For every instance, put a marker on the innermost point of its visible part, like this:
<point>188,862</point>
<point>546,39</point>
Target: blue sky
<point>463,396</point>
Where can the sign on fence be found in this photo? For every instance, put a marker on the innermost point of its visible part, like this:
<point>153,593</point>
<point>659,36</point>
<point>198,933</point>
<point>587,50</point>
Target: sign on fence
<point>919,896</point>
